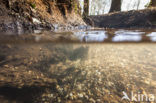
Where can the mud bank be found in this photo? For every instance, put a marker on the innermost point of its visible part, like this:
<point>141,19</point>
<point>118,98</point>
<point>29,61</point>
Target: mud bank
<point>27,15</point>
<point>131,19</point>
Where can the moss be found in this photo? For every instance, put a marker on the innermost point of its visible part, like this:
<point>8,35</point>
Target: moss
<point>33,5</point>
<point>76,7</point>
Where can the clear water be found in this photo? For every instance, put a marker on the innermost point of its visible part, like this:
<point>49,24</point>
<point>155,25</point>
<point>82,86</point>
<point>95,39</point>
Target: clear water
<point>85,72</point>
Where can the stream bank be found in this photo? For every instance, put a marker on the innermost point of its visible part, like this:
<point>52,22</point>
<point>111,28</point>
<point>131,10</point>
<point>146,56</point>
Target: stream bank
<point>20,16</point>
<point>129,19</point>
<point>28,15</point>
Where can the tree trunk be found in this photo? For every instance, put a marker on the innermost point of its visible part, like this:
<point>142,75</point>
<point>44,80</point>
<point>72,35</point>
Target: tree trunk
<point>115,6</point>
<point>86,8</point>
<point>153,3</point>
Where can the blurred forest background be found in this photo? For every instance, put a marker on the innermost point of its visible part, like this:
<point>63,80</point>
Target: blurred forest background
<point>97,7</point>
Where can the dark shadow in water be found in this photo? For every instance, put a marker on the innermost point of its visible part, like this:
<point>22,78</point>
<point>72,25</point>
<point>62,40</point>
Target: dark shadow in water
<point>23,95</point>
<point>64,52</point>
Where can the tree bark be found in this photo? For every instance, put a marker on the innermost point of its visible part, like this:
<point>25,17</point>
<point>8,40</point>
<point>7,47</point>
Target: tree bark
<point>115,6</point>
<point>86,8</point>
<point>153,3</point>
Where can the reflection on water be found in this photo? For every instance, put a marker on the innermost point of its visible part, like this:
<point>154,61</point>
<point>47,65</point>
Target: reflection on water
<point>116,36</point>
<point>152,36</point>
<point>76,73</point>
<point>92,36</point>
<point>99,35</point>
<point>122,35</point>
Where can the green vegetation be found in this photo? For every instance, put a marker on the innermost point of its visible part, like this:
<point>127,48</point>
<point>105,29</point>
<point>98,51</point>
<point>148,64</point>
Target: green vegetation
<point>75,6</point>
<point>33,5</point>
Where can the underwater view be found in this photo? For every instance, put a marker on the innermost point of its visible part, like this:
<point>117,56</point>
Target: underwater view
<point>92,68</point>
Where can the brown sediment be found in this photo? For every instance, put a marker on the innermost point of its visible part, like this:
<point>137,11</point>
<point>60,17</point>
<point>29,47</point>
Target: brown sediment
<point>76,73</point>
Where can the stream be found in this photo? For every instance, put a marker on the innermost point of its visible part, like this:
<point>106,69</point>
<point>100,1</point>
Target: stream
<point>87,66</point>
